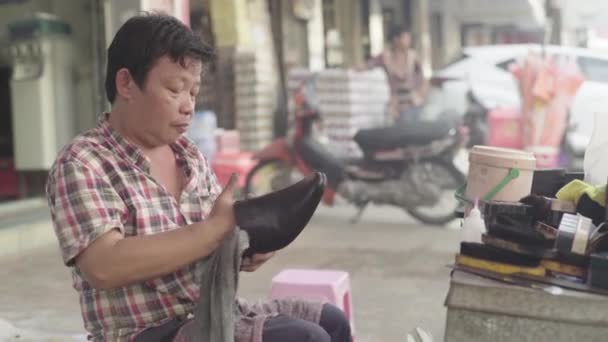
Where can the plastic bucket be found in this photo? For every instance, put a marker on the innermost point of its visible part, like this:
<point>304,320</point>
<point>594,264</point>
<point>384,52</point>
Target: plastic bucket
<point>499,174</point>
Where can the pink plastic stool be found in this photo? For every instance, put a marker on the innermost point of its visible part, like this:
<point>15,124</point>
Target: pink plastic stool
<point>331,286</point>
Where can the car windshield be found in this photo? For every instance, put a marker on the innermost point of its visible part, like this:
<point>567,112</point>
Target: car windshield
<point>595,69</point>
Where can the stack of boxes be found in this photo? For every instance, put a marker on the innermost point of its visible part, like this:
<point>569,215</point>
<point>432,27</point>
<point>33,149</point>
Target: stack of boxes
<point>255,99</point>
<point>349,101</point>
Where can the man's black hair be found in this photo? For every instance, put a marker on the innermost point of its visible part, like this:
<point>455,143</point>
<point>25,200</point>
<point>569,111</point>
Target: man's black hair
<point>142,40</point>
<point>395,32</point>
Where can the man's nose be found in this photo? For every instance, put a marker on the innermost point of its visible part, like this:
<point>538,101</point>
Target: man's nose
<point>187,106</point>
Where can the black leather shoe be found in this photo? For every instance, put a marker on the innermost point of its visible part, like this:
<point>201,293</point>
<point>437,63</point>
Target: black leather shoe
<point>274,220</point>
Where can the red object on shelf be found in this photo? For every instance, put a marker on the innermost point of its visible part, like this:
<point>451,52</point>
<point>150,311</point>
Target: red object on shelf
<point>9,182</point>
<point>228,141</point>
<point>505,128</point>
<point>224,164</point>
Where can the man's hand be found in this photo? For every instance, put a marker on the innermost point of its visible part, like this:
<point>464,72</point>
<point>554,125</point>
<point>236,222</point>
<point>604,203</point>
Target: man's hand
<point>222,213</point>
<point>254,262</point>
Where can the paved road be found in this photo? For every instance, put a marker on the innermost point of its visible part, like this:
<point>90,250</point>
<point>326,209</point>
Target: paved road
<point>398,270</point>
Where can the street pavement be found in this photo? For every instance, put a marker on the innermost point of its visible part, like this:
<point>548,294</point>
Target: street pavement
<point>397,268</point>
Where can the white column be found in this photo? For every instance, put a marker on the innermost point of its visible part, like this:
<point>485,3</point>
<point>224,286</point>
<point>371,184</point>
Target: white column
<point>316,42</point>
<point>376,28</point>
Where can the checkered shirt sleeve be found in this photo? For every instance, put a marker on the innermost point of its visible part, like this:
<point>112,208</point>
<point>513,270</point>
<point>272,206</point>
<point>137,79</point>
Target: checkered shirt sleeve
<point>83,206</point>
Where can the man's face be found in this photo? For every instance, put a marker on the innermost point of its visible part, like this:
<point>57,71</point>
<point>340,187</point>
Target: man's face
<point>163,108</point>
<point>404,40</point>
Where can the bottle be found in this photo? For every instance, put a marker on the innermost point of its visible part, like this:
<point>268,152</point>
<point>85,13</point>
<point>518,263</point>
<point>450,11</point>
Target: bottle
<point>202,132</point>
<point>473,225</point>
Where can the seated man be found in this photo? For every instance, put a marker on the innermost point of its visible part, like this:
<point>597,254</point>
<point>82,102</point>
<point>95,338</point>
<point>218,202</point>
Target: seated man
<point>136,208</point>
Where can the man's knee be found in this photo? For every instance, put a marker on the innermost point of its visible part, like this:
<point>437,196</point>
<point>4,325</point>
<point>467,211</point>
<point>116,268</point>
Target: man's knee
<point>335,322</point>
<point>315,333</point>
<point>283,328</point>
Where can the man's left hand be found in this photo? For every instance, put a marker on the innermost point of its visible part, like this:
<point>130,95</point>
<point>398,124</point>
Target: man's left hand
<point>254,262</point>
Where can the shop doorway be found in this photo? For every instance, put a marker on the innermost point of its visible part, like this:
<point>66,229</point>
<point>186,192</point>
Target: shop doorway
<point>9,189</point>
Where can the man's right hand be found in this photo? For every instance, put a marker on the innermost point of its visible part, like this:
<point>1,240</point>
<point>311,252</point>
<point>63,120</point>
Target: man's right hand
<point>222,214</point>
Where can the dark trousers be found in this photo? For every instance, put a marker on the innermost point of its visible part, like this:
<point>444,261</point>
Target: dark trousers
<point>333,327</point>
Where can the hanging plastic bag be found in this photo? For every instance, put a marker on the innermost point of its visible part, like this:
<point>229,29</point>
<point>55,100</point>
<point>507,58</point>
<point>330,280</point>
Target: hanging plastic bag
<point>595,162</point>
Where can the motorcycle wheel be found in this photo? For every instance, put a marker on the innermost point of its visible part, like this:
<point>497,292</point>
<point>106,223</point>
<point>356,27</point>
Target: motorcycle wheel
<point>449,179</point>
<point>268,176</point>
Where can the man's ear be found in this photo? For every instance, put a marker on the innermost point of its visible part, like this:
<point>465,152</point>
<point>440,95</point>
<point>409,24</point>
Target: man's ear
<point>124,83</point>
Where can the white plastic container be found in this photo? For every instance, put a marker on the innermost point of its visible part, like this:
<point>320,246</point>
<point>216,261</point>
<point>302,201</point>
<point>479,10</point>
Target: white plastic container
<point>489,166</point>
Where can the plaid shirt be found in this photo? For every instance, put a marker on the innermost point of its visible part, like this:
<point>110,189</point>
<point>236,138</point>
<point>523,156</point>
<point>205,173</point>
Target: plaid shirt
<point>101,182</point>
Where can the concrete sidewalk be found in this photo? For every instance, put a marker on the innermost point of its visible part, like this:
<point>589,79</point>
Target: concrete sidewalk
<point>397,269</point>
<point>24,225</point>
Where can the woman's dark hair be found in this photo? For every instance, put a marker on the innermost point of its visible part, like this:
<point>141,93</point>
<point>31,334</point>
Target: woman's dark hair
<point>142,40</point>
<point>395,32</point>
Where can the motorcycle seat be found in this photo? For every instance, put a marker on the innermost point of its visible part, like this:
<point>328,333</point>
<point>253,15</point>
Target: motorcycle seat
<point>319,158</point>
<point>402,135</point>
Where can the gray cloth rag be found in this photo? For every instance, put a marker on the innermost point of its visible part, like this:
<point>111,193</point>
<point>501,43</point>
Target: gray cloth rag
<point>222,317</point>
<point>217,309</point>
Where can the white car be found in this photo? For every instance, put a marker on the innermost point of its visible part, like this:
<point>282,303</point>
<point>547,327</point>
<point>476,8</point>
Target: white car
<point>484,70</point>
